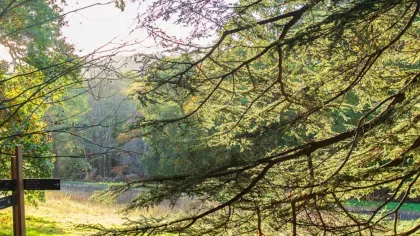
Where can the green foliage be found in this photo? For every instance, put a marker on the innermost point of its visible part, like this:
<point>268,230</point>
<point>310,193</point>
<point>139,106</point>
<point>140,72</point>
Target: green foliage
<point>42,66</point>
<point>68,147</point>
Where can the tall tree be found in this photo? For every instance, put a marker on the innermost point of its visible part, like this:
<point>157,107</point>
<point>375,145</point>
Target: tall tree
<point>43,77</point>
<point>42,63</point>
<point>42,69</point>
<point>304,105</point>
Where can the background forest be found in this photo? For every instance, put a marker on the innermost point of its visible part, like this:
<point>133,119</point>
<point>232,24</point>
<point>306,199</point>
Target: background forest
<point>94,147</point>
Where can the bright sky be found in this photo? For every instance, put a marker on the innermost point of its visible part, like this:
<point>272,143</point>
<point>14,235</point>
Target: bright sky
<point>93,27</point>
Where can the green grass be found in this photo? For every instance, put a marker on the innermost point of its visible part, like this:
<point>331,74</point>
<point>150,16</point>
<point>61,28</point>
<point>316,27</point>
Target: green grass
<point>36,226</point>
<point>61,214</point>
<point>392,205</point>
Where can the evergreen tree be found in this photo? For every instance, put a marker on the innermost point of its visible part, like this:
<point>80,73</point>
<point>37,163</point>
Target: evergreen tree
<point>295,108</point>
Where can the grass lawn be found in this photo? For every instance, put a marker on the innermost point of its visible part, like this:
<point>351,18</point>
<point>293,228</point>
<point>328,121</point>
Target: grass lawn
<point>392,205</point>
<point>36,226</point>
<point>104,184</point>
<point>61,214</point>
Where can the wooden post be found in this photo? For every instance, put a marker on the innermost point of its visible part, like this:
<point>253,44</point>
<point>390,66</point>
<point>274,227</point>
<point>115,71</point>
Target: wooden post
<point>19,207</point>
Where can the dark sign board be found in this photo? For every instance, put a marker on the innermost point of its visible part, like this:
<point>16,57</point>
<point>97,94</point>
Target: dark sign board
<point>41,184</point>
<point>6,185</point>
<point>32,184</point>
<point>7,201</point>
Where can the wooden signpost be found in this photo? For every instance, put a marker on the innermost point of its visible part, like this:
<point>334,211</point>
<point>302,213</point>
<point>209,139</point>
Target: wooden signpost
<point>17,184</point>
<point>31,184</point>
<point>8,201</point>
<point>41,184</point>
<point>7,185</point>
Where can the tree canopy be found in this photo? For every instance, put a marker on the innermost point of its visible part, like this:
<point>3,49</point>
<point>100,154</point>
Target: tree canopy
<point>40,68</point>
<point>295,108</point>
<point>44,96</point>
<point>268,117</point>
